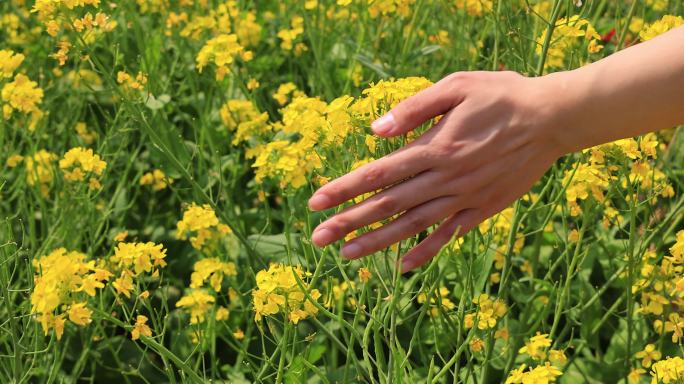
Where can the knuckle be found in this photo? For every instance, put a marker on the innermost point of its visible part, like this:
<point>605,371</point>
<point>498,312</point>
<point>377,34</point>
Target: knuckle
<point>410,108</point>
<point>416,223</point>
<point>373,174</point>
<point>387,203</point>
<point>341,225</point>
<point>336,192</point>
<point>456,77</point>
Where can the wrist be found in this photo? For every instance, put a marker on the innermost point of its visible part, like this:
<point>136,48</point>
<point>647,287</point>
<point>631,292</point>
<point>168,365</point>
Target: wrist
<point>566,97</point>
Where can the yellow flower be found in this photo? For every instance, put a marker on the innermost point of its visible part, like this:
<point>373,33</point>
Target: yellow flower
<point>22,95</point>
<point>542,374</point>
<point>222,313</point>
<point>157,179</point>
<point>488,312</point>
<point>201,226</point>
<point>9,62</point>
<point>80,164</point>
<point>211,270</point>
<point>568,33</point>
<point>648,355</point>
<point>82,131</point>
<point>474,7</point>
<point>60,277</point>
<point>476,344</point>
<point>140,257</point>
<point>124,284</point>
<point>557,356</point>
<point>221,51</point>
<point>198,303</point>
<point>278,291</point>
<point>121,236</point>
<point>287,36</point>
<point>14,160</point>
<point>661,26</point>
<point>79,314</point>
<point>670,370</point>
<point>243,117</point>
<point>634,375</point>
<point>252,84</point>
<point>282,94</point>
<point>534,347</point>
<point>364,274</point>
<point>140,328</point>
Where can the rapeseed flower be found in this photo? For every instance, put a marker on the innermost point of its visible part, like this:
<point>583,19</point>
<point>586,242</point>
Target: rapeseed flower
<point>535,347</point>
<point>22,94</point>
<point>277,291</point>
<point>62,277</point>
<point>542,374</point>
<point>488,311</point>
<point>39,170</point>
<point>211,270</point>
<point>9,62</point>
<point>221,51</point>
<point>157,179</point>
<point>141,328</point>
<point>661,26</point>
<point>201,226</point>
<point>81,164</point>
<point>198,302</point>
<point>648,355</point>
<point>568,33</point>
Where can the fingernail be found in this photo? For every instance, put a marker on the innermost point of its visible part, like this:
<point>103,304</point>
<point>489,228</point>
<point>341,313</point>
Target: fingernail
<point>322,237</point>
<point>351,251</point>
<point>319,201</point>
<point>384,125</point>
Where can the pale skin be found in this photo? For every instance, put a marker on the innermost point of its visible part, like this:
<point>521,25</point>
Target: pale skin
<point>500,133</point>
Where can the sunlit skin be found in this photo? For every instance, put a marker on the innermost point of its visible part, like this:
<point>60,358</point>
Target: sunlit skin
<point>500,133</point>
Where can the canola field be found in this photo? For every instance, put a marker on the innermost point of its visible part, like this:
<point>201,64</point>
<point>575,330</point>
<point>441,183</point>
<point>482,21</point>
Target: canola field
<point>157,159</point>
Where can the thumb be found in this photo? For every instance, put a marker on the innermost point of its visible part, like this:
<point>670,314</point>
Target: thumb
<point>424,105</point>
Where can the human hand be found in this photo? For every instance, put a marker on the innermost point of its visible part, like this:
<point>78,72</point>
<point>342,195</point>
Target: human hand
<point>493,143</point>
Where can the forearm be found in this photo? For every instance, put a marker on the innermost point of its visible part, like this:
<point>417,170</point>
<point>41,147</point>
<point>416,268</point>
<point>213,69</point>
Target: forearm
<point>632,92</point>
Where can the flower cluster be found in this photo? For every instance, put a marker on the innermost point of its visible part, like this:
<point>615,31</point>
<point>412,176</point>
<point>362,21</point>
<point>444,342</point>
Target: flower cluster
<point>134,259</point>
<point>668,371</point>
<point>201,226</point>
<point>141,328</point>
<point>221,51</point>
<point>567,33</point>
<point>9,62</point>
<point>277,290</point>
<point>661,26</point>
<point>488,311</point>
<point>594,177</point>
<point>474,7</point>
<point>63,281</point>
<point>21,95</point>
<point>546,373</point>
<point>537,348</point>
<point>243,118</point>
<point>309,124</point>
<point>157,179</point>
<point>81,164</point>
<point>131,83</point>
<point>200,303</point>
<point>39,170</point>
<point>211,270</point>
